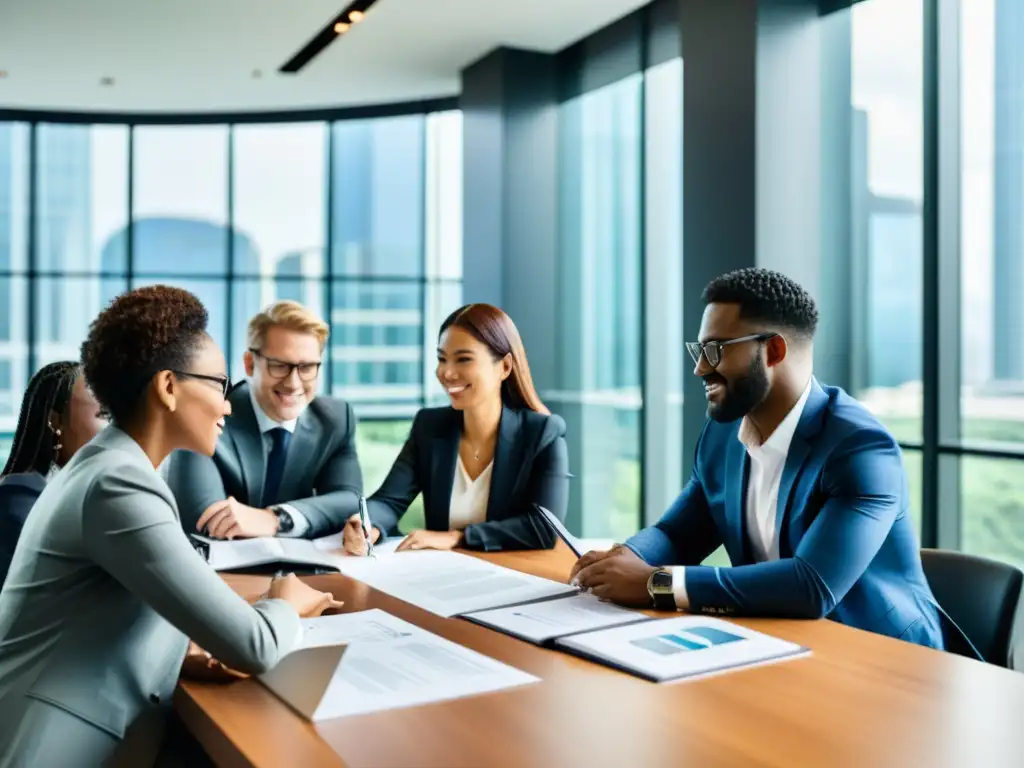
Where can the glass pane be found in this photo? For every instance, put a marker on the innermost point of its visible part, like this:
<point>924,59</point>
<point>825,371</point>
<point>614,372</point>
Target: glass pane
<point>377,346</point>
<point>992,220</point>
<point>249,296</point>
<point>180,200</point>
<point>378,197</point>
<point>13,196</point>
<point>442,300</point>
<point>599,295</point>
<point>14,373</point>
<point>444,194</point>
<point>81,198</point>
<point>378,443</point>
<point>663,404</point>
<point>280,177</point>
<point>213,294</point>
<point>887,173</point>
<point>992,508</point>
<point>65,307</point>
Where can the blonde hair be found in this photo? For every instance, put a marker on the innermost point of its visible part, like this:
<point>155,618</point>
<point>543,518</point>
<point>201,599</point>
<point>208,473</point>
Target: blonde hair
<point>286,314</point>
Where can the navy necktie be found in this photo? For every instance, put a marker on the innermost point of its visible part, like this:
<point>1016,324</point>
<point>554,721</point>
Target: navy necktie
<point>275,465</point>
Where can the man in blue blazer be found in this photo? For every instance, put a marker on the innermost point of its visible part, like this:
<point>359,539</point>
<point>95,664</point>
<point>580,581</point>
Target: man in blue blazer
<point>803,486</point>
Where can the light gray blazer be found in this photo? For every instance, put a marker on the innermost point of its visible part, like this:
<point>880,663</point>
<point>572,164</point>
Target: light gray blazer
<point>103,593</point>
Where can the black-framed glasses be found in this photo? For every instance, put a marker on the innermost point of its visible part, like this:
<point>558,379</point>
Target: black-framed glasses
<point>279,369</point>
<point>224,382</point>
<point>713,350</point>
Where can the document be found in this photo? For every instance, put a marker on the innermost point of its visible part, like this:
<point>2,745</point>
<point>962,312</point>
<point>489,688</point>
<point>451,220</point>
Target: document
<point>239,554</point>
<point>547,620</point>
<point>688,646</point>
<point>450,583</point>
<point>371,661</point>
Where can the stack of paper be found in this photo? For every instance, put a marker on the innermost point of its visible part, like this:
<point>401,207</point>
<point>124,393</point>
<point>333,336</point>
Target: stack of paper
<point>370,661</point>
<point>239,554</point>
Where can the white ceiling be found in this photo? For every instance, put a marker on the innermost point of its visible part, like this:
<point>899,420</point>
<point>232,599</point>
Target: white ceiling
<point>200,55</point>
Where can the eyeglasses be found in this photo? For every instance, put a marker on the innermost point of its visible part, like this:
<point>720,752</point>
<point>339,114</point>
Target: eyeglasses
<point>279,369</point>
<point>712,350</point>
<point>224,382</point>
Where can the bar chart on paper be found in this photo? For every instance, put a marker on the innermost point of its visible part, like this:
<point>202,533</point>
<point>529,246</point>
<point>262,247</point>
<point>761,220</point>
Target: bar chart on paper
<point>692,639</point>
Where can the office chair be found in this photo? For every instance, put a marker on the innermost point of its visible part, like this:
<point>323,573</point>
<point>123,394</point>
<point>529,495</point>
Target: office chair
<point>981,596</point>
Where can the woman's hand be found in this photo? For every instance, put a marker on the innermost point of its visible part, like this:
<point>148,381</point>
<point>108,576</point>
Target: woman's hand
<point>442,540</point>
<point>353,539</point>
<point>200,665</point>
<point>306,601</point>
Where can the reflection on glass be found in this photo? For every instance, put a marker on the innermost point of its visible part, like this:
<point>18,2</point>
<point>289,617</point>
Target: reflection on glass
<point>280,177</point>
<point>14,207</point>
<point>992,220</point>
<point>179,199</point>
<point>377,346</point>
<point>992,508</point>
<point>444,195</point>
<point>14,374</point>
<point>81,198</point>
<point>64,308</point>
<point>599,393</point>
<point>378,197</point>
<point>887,142</point>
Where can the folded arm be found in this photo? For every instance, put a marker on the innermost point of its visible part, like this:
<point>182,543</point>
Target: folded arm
<point>863,482</point>
<point>133,534</point>
<point>548,488</point>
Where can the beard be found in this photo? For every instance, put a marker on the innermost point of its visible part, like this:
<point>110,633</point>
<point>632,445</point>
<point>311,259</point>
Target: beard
<point>742,394</point>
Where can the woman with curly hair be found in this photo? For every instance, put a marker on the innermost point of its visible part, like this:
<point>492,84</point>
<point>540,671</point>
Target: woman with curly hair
<point>58,416</point>
<point>105,589</point>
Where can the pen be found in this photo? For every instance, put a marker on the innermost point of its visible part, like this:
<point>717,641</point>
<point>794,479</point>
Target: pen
<point>364,520</point>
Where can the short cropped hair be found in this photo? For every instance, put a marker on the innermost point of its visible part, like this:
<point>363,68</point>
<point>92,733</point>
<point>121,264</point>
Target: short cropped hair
<point>766,297</point>
<point>142,332</point>
<point>290,315</point>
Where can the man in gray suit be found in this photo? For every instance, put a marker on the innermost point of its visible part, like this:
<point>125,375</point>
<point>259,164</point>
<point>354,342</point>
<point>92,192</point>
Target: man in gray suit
<point>286,464</point>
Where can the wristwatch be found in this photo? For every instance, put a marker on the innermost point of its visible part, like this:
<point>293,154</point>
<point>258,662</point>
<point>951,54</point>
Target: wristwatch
<point>284,520</point>
<point>659,587</point>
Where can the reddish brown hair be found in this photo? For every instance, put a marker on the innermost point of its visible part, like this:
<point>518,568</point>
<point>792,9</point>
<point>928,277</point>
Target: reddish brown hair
<point>496,331</point>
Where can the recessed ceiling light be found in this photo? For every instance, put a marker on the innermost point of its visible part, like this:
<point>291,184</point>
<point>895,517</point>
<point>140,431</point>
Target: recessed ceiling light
<point>3,74</point>
<point>257,73</point>
<point>341,27</point>
<point>356,16</point>
<point>106,81</point>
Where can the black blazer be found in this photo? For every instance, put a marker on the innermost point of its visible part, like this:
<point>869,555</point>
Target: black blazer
<point>531,466</point>
<point>17,495</point>
<point>322,478</point>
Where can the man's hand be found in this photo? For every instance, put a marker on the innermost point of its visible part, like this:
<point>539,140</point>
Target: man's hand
<point>230,519</point>
<point>620,578</point>
<point>353,541</point>
<point>593,557</point>
<point>430,540</point>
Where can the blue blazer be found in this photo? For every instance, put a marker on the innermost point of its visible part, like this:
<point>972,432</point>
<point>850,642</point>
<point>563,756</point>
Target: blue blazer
<point>848,549</point>
<point>17,495</point>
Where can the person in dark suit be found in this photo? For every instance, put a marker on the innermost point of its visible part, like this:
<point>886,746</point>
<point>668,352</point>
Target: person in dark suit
<point>286,464</point>
<point>483,463</point>
<point>58,416</point>
<point>800,482</point>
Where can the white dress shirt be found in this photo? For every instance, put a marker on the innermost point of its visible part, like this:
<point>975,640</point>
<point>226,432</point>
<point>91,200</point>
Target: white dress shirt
<point>299,522</point>
<point>767,460</point>
<point>469,497</point>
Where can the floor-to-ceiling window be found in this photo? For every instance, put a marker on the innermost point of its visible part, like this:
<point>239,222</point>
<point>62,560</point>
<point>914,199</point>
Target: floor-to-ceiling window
<point>358,219</point>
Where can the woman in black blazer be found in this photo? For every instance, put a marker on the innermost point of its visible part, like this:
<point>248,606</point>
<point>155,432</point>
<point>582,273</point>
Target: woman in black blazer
<point>58,416</point>
<point>483,463</point>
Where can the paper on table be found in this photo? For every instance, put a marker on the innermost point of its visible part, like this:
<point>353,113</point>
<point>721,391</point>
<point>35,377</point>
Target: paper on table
<point>334,544</point>
<point>246,553</point>
<point>549,619</point>
<point>388,663</point>
<point>450,583</point>
<point>682,647</point>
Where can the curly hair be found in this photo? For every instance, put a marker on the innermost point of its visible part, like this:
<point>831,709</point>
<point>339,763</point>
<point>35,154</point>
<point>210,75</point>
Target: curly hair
<point>142,332</point>
<point>49,391</point>
<point>766,297</point>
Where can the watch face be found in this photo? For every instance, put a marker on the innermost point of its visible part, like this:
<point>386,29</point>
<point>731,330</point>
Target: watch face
<point>662,579</point>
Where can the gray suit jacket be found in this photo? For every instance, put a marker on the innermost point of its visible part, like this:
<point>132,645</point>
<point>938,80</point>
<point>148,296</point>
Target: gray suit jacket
<point>103,593</point>
<point>322,478</point>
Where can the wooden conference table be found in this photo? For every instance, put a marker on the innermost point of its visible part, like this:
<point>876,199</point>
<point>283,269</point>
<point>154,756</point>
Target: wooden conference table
<point>859,700</point>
